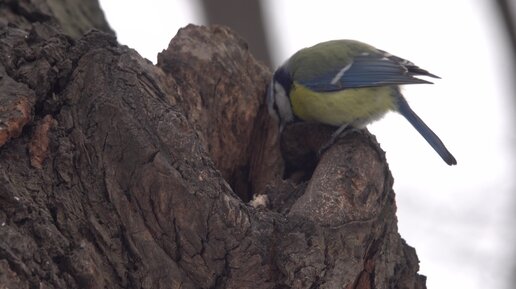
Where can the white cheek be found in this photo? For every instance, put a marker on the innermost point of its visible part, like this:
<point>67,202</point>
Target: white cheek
<point>283,103</point>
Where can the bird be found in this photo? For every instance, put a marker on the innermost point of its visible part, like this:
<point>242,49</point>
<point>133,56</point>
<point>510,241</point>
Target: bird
<point>347,84</point>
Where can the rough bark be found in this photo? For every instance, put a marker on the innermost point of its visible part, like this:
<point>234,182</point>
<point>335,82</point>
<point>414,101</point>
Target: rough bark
<point>115,173</point>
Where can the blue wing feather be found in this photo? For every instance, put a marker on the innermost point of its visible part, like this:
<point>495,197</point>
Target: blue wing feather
<point>368,71</point>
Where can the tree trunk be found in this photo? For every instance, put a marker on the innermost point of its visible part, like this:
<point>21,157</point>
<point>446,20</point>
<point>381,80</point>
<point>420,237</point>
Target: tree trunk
<point>115,173</point>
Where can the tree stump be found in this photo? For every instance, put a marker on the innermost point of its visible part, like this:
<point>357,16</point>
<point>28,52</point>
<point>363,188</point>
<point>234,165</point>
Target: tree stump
<point>115,173</point>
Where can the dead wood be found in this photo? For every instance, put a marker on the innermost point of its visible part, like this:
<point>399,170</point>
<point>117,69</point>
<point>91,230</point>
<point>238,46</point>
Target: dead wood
<point>115,173</point>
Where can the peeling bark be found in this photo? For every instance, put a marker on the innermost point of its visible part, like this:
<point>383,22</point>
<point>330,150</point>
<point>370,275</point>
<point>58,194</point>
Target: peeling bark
<point>121,174</point>
<point>38,146</point>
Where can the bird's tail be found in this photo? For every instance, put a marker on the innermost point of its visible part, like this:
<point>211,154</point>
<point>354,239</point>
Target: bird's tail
<point>405,110</point>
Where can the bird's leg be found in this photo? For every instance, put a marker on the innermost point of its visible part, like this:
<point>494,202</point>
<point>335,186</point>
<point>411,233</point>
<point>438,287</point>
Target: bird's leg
<point>333,138</point>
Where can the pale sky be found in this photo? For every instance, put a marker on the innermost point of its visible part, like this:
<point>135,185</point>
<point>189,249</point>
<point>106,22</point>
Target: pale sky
<point>458,218</point>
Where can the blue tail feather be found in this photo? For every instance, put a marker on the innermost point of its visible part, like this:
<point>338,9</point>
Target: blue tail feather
<point>405,110</point>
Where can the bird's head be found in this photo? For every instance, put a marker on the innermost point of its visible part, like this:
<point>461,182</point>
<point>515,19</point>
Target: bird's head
<point>278,101</point>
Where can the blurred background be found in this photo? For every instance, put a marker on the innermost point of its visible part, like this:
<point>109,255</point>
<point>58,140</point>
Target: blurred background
<point>460,219</point>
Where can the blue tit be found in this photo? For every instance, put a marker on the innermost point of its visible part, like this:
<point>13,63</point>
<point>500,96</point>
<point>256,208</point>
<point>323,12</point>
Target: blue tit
<point>347,84</point>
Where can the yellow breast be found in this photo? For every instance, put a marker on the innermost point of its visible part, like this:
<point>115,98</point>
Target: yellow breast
<point>354,106</point>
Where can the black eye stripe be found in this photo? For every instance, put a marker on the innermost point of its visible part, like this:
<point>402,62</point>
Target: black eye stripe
<point>283,77</point>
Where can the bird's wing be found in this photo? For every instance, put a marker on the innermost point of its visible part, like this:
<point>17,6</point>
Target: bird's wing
<point>367,70</point>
